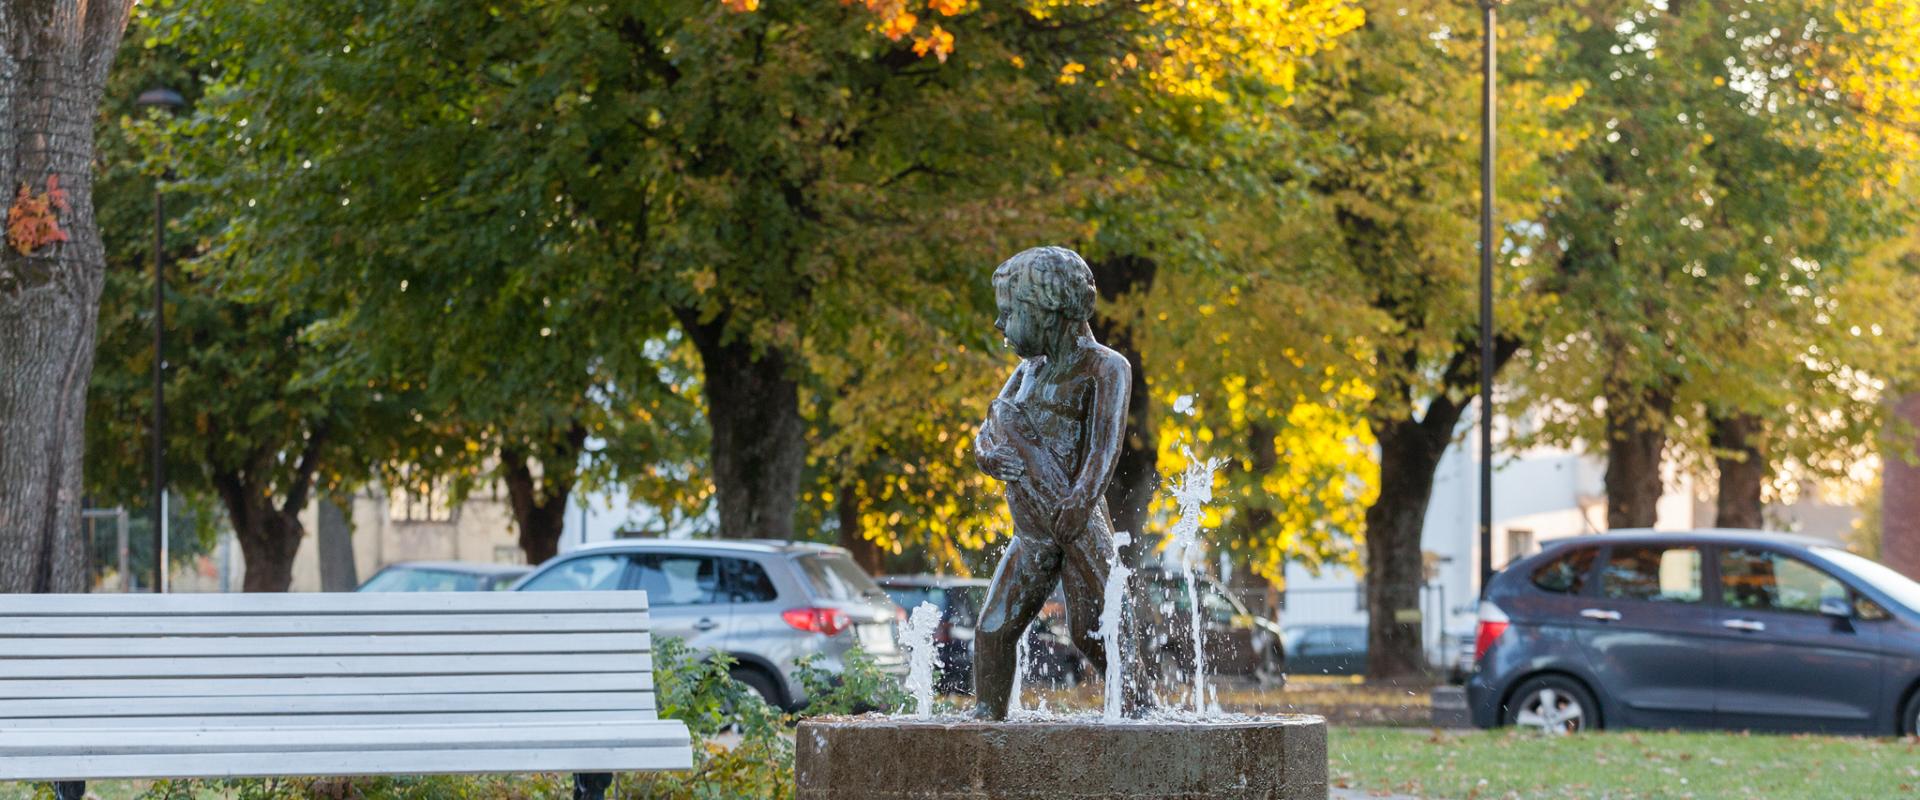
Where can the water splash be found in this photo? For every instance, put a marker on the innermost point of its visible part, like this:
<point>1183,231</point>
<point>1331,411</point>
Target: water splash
<point>1192,491</point>
<point>1112,621</point>
<point>1020,656</point>
<point>917,637</point>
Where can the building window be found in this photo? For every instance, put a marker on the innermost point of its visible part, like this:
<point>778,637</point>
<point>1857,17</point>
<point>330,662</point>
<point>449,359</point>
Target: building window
<point>1519,543</point>
<point>423,501</point>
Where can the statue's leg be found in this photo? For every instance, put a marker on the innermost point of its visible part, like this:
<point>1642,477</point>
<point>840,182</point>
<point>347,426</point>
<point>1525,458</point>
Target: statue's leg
<point>1020,587</point>
<point>69,790</point>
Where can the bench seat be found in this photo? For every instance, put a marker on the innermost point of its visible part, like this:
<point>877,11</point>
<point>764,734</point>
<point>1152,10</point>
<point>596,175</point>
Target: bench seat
<point>207,686</point>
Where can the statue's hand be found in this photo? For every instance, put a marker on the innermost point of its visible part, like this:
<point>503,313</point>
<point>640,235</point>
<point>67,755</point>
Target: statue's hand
<point>1003,464</point>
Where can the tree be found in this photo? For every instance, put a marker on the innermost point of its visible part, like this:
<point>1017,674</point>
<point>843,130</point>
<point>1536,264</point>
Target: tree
<point>1719,200</point>
<point>767,185</point>
<point>54,58</point>
<point>1396,178</point>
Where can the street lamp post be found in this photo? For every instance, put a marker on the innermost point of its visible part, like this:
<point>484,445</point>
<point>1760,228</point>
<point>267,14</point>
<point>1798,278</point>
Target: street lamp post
<point>1487,244</point>
<point>171,101</point>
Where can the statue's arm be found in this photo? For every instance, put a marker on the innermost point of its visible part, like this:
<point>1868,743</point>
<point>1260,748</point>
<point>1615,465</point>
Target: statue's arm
<point>990,452</point>
<point>1106,430</point>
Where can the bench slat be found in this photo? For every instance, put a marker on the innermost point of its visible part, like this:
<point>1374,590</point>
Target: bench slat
<point>322,704</point>
<point>199,721</point>
<point>282,624</point>
<point>210,646</point>
<point>300,687</point>
<point>415,762</point>
<point>377,738</point>
<point>322,666</point>
<point>144,605</point>
<point>449,762</point>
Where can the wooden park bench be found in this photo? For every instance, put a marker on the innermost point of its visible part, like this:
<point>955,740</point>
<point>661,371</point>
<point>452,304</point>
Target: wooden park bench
<point>214,686</point>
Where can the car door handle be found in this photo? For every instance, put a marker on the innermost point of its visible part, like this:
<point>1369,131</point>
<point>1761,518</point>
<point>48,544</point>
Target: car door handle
<point>1600,613</point>
<point>1744,625</point>
<point>705,625</point>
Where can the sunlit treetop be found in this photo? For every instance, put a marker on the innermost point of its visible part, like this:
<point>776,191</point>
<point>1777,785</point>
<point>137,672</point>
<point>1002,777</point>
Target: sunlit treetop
<point>1187,48</point>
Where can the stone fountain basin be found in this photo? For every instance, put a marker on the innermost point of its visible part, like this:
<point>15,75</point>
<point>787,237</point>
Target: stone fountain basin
<point>896,758</point>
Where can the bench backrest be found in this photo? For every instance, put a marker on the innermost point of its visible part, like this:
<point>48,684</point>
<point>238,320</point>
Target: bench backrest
<point>341,660</point>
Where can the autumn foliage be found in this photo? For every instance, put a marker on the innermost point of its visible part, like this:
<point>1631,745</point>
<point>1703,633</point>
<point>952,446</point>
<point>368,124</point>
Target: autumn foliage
<point>32,222</point>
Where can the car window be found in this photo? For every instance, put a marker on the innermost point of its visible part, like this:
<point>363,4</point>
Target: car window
<point>1763,580</point>
<point>1219,608</point>
<point>587,573</point>
<point>1350,640</point>
<point>1902,589</point>
<point>747,581</point>
<point>1657,573</point>
<point>405,579</point>
<point>836,577</point>
<point>673,579</point>
<point>1566,574</point>
<point>963,608</point>
<point>910,597</point>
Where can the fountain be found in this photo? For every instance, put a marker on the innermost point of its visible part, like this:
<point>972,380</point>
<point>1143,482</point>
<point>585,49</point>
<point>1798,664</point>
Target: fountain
<point>1052,436</point>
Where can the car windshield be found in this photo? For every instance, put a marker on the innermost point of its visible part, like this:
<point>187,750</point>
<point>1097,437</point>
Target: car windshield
<point>1901,588</point>
<point>836,577</point>
<point>424,580</point>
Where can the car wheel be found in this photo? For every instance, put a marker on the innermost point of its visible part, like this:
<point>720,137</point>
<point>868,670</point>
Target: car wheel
<point>1272,672</point>
<point>1910,716</point>
<point>1554,705</point>
<point>761,683</point>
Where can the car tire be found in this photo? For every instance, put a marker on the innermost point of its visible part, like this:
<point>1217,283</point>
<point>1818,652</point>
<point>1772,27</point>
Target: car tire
<point>1552,704</point>
<point>1909,722</point>
<point>761,683</point>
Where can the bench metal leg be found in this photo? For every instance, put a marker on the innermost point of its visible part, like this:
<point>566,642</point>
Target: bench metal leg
<point>591,785</point>
<point>70,790</point>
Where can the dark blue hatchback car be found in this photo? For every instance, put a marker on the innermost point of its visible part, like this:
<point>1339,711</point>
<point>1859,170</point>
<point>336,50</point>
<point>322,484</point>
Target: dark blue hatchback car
<point>1707,629</point>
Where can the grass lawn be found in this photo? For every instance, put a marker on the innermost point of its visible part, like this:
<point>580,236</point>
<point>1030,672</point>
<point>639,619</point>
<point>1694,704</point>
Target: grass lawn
<point>1483,765</point>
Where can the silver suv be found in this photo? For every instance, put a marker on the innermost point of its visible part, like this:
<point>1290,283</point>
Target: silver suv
<point>766,603</point>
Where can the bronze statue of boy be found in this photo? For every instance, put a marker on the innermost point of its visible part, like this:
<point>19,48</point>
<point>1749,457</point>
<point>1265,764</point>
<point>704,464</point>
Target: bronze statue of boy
<point>1053,435</point>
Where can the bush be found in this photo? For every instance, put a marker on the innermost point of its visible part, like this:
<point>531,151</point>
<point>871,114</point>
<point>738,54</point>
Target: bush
<point>697,691</point>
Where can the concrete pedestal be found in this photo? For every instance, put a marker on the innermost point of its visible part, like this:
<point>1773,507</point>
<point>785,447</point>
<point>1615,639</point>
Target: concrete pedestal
<point>886,758</point>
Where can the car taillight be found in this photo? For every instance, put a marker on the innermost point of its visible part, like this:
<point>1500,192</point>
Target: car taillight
<point>1493,622</point>
<point>817,620</point>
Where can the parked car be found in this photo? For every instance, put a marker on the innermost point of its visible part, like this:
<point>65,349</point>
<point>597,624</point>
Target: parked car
<point>767,604</point>
<point>1051,657</point>
<point>1326,649</point>
<point>443,576</point>
<point>1239,644</point>
<point>1702,629</point>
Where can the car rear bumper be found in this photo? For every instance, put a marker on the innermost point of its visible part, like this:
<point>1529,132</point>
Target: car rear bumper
<point>1483,701</point>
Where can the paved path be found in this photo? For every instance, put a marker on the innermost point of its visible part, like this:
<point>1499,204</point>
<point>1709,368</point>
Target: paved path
<point>1362,794</point>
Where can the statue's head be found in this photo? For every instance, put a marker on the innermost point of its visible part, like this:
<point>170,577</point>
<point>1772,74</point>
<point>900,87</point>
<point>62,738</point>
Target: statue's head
<point>1041,293</point>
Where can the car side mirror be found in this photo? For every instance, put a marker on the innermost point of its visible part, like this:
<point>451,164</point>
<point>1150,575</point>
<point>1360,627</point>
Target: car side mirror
<point>1836,607</point>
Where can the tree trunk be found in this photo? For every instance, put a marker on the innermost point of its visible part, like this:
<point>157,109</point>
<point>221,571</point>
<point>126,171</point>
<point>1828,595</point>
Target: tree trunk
<point>1410,451</point>
<point>1135,475</point>
<point>1409,454</point>
<point>759,440</point>
<point>269,537</point>
<point>54,58</point>
<point>1743,468</point>
<point>540,504</point>
<point>1636,435</point>
<point>334,538</point>
<point>847,508</point>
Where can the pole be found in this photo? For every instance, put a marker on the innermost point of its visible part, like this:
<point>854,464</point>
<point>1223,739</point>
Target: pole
<point>159,510</point>
<point>1487,246</point>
